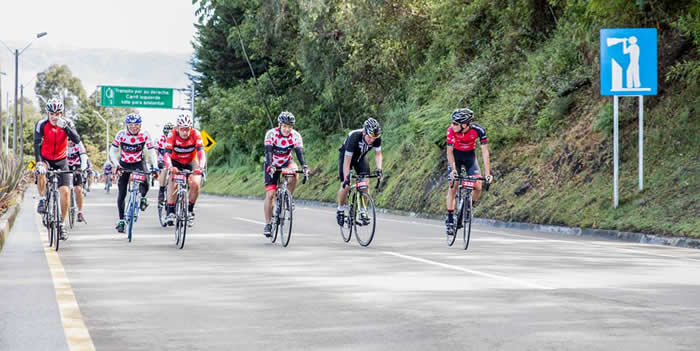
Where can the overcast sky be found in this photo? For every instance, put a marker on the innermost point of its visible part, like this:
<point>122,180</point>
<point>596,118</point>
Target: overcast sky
<point>139,26</point>
<point>134,25</point>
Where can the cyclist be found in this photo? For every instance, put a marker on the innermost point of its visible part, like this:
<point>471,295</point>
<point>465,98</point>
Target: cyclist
<point>279,143</point>
<point>461,143</point>
<point>78,160</point>
<point>161,145</point>
<point>129,148</point>
<point>184,149</point>
<point>107,171</point>
<point>352,154</point>
<point>50,140</point>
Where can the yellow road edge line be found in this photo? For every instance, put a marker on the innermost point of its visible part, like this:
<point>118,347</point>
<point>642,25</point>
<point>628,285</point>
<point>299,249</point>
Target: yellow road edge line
<point>77,335</point>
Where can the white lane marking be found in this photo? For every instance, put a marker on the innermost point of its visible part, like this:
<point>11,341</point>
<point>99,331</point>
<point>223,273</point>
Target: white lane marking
<point>137,236</point>
<point>249,220</point>
<point>77,334</point>
<point>467,270</point>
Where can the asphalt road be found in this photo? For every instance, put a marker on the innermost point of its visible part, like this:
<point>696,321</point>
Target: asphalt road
<point>231,289</point>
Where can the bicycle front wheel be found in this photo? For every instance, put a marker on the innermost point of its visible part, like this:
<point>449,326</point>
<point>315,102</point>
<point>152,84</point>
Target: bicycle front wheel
<point>346,228</point>
<point>130,215</point>
<point>276,213</point>
<point>286,219</point>
<point>364,221</point>
<point>71,212</point>
<point>181,221</point>
<point>56,222</point>
<point>467,220</point>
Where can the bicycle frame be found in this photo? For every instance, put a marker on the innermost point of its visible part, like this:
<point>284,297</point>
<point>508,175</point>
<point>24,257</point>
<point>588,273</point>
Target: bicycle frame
<point>132,211</point>
<point>284,196</point>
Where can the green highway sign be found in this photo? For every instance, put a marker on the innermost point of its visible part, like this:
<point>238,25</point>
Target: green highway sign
<point>136,97</point>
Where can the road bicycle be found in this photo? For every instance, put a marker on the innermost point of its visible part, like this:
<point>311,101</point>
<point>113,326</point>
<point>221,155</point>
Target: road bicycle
<point>465,210</point>
<point>360,213</point>
<point>132,209</point>
<point>52,217</point>
<point>283,212</point>
<point>182,191</point>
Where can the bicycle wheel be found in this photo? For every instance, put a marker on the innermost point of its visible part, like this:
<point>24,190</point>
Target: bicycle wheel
<point>276,212</point>
<point>162,213</point>
<point>47,218</point>
<point>365,221</point>
<point>452,233</point>
<point>346,228</point>
<point>467,220</point>
<point>71,212</point>
<point>56,222</point>
<point>130,215</point>
<point>286,220</point>
<point>181,222</point>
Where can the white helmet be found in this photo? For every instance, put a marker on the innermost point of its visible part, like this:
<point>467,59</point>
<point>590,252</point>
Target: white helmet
<point>184,120</point>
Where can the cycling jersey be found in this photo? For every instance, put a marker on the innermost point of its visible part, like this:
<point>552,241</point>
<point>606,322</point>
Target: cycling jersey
<point>50,141</point>
<point>73,154</point>
<point>161,146</point>
<point>278,148</point>
<point>182,150</point>
<point>132,146</point>
<point>355,146</point>
<point>466,141</point>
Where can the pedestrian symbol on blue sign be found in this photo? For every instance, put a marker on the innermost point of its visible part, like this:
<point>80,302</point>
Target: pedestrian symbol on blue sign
<point>628,61</point>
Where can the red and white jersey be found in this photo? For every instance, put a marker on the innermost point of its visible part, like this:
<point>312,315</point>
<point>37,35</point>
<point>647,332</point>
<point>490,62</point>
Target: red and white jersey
<point>131,146</point>
<point>184,150</point>
<point>73,154</point>
<point>161,146</point>
<point>282,146</point>
<point>466,141</point>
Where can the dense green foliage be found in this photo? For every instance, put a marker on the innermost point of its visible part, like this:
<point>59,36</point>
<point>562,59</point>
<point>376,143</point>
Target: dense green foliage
<point>528,68</point>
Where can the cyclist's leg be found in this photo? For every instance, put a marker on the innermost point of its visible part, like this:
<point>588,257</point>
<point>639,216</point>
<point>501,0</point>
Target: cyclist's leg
<point>270,191</point>
<point>473,170</point>
<point>291,185</point>
<point>78,187</point>
<point>342,192</point>
<point>145,185</point>
<point>362,168</point>
<point>41,184</point>
<point>122,183</point>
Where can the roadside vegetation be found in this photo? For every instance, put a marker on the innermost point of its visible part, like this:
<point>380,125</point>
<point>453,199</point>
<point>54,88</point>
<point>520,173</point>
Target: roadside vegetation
<point>528,68</point>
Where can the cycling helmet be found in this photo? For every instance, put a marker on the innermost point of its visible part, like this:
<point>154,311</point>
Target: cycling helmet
<point>133,118</point>
<point>462,115</point>
<point>372,128</point>
<point>184,120</point>
<point>54,105</point>
<point>168,127</point>
<point>286,118</point>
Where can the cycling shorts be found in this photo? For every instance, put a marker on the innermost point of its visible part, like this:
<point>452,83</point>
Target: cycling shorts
<point>466,159</point>
<point>361,166</point>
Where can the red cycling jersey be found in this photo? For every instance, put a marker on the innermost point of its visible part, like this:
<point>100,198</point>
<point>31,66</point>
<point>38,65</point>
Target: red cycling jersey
<point>50,141</point>
<point>466,141</point>
<point>184,150</point>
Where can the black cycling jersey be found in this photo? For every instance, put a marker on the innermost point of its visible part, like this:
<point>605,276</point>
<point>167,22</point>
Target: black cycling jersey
<point>356,146</point>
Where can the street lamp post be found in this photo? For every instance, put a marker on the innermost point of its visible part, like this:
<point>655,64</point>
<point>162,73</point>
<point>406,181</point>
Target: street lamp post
<point>8,109</point>
<point>17,53</point>
<point>107,133</point>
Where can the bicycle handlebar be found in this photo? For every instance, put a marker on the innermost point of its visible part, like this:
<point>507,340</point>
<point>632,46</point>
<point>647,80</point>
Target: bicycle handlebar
<point>469,178</point>
<point>290,173</point>
<point>372,175</point>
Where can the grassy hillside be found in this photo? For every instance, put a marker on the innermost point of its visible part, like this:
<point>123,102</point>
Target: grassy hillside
<point>533,85</point>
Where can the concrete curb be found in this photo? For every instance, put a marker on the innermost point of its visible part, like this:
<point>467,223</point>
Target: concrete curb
<point>641,238</point>
<point>8,219</point>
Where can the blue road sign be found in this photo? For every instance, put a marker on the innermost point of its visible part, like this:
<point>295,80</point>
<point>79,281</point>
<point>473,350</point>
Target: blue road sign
<point>628,61</point>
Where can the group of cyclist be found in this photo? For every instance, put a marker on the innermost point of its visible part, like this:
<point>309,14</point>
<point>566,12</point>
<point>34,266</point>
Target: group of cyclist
<point>58,147</point>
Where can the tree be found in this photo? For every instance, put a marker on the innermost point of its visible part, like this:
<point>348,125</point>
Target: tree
<point>58,81</point>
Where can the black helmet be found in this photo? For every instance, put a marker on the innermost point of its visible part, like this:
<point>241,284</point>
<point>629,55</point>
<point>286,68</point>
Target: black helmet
<point>286,117</point>
<point>168,127</point>
<point>372,128</point>
<point>462,115</point>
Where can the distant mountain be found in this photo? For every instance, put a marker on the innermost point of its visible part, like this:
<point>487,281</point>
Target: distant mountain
<point>101,67</point>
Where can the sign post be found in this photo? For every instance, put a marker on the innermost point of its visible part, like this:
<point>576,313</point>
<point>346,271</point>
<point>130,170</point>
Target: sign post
<point>635,49</point>
<point>136,97</point>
